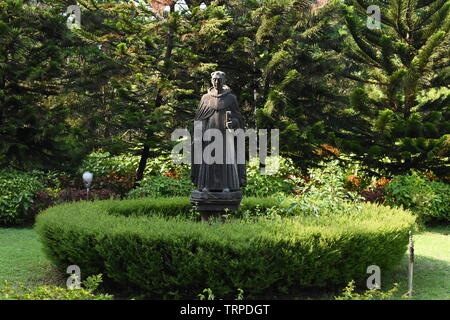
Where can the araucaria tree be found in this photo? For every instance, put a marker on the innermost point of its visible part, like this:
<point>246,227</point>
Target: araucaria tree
<point>159,65</point>
<point>401,105</point>
<point>33,48</point>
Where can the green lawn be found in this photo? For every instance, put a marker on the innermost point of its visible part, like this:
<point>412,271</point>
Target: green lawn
<point>22,260</point>
<point>431,266</point>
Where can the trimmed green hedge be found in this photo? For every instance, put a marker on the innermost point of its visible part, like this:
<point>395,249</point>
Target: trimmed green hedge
<point>175,257</point>
<point>181,207</point>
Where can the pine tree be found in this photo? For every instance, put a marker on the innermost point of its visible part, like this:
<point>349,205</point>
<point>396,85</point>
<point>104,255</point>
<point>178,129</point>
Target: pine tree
<point>282,58</point>
<point>401,105</point>
<point>160,66</point>
<point>32,53</point>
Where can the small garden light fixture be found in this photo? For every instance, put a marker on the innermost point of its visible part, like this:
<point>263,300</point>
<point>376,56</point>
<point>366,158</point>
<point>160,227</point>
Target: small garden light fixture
<point>87,179</point>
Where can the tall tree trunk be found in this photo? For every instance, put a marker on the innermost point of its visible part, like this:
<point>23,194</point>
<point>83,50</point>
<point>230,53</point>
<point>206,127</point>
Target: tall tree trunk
<point>146,149</point>
<point>142,164</point>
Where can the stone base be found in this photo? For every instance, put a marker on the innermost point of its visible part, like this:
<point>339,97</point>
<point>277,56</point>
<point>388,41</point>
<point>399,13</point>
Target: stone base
<point>216,201</point>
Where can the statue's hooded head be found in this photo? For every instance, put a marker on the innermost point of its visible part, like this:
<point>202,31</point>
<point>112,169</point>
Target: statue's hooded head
<point>218,80</point>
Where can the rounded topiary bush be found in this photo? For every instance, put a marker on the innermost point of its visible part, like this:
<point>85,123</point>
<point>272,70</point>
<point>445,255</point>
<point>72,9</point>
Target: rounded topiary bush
<point>153,246</point>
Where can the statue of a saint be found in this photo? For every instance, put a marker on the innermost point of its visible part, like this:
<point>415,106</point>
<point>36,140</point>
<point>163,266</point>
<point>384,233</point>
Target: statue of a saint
<point>218,110</point>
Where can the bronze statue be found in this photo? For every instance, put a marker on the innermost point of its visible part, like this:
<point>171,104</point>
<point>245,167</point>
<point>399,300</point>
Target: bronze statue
<point>218,175</point>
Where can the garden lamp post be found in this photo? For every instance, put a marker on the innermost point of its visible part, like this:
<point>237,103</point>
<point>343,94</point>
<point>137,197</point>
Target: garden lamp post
<point>87,179</point>
<point>410,264</point>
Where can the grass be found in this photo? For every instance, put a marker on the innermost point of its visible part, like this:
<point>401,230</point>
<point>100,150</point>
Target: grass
<point>431,279</point>
<point>22,260</point>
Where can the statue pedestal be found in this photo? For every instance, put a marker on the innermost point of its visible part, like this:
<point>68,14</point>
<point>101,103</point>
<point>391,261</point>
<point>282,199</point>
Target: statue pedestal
<point>214,204</point>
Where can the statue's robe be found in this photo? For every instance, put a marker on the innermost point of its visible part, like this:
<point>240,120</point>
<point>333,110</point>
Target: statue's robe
<point>212,115</point>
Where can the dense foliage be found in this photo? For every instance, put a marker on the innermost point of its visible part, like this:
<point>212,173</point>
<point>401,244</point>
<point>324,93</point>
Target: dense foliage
<point>400,104</point>
<point>33,127</point>
<point>86,292</point>
<point>430,200</point>
<point>324,193</point>
<point>16,198</point>
<point>163,186</point>
<point>348,293</point>
<point>131,75</point>
<point>272,181</point>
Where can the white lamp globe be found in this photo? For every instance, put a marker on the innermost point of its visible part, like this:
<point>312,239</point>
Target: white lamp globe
<point>87,178</point>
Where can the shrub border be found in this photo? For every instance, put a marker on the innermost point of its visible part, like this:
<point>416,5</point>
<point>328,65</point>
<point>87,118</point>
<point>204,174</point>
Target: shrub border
<point>177,258</point>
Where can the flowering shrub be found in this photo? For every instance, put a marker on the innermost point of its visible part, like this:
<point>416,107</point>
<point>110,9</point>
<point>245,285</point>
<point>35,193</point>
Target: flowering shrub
<point>352,182</point>
<point>327,151</point>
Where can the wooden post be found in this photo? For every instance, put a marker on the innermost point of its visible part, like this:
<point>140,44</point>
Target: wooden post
<point>410,265</point>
